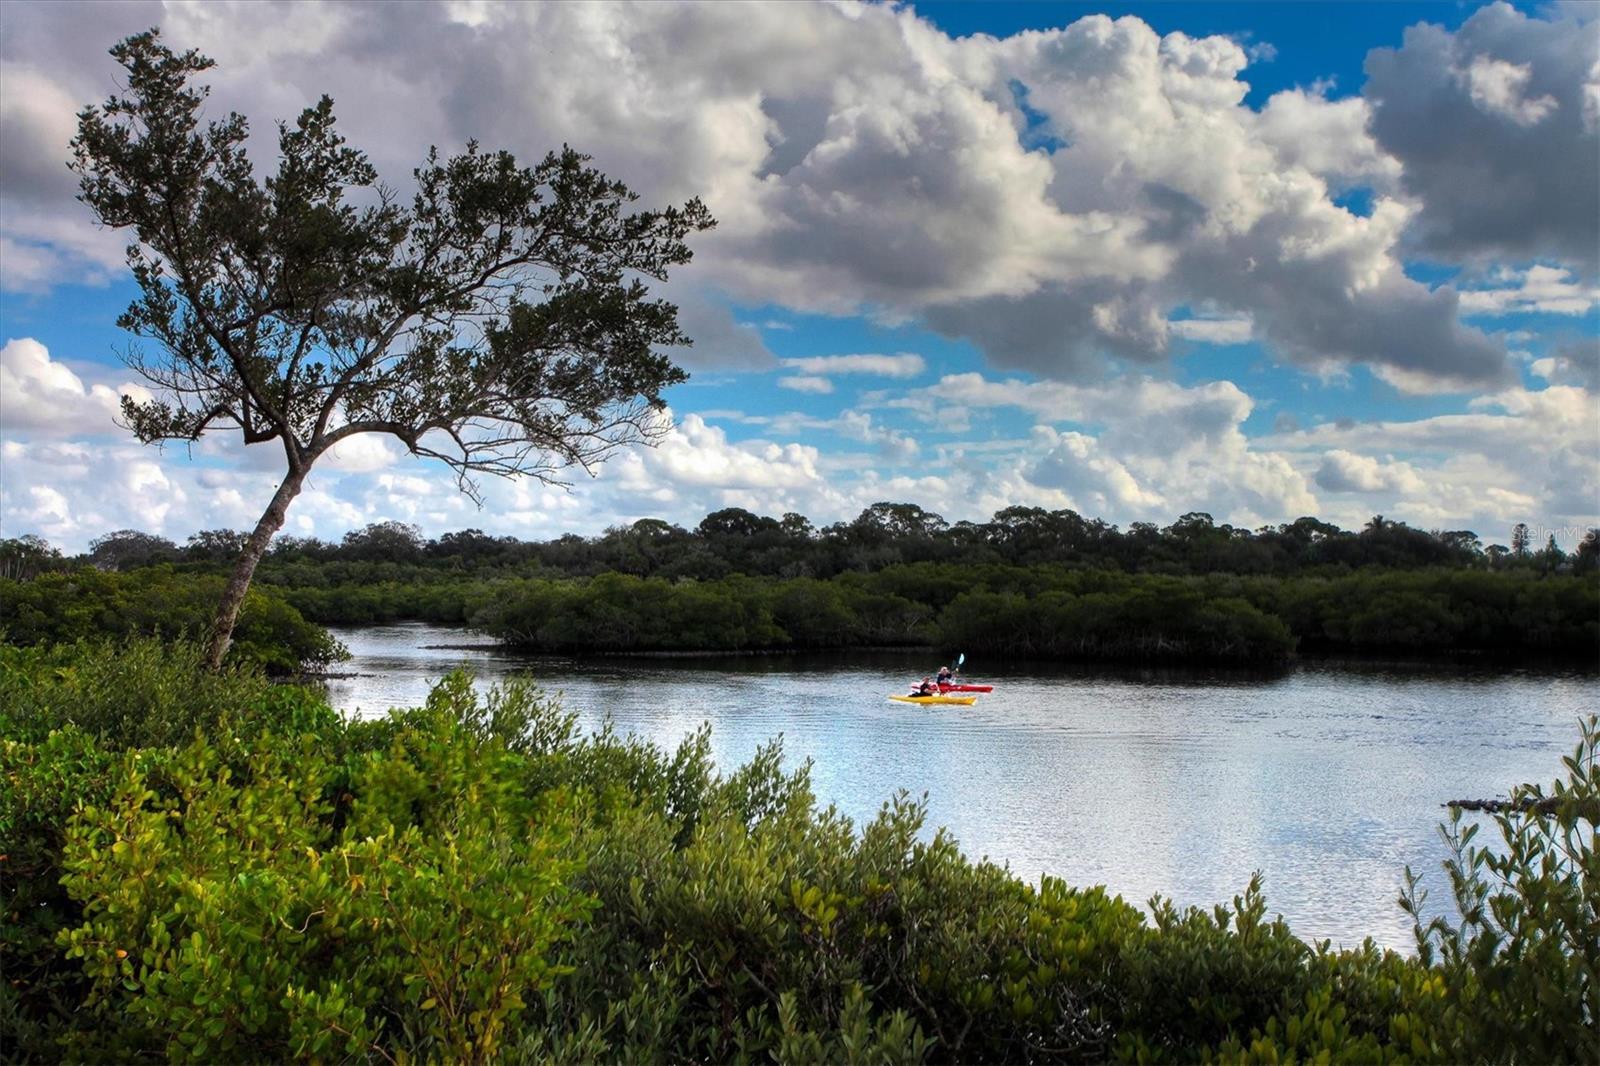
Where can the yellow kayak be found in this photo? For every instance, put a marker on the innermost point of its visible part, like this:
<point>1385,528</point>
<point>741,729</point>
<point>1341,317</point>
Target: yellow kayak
<point>965,701</point>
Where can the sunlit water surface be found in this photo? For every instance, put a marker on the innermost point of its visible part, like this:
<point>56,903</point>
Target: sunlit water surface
<point>1328,778</point>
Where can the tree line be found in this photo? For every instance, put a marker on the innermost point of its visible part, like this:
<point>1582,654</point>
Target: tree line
<point>737,541</point>
<point>1027,584</point>
<point>995,610</point>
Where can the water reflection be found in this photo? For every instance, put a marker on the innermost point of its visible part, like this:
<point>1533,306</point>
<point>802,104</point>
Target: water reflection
<point>1327,778</point>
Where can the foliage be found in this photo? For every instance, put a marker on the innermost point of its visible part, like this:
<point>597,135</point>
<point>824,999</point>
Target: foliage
<point>475,880</point>
<point>88,604</point>
<point>263,928</point>
<point>1523,963</point>
<point>65,714</point>
<point>501,323</point>
<point>1028,582</point>
<point>130,694</point>
<point>1041,611</point>
<point>27,556</point>
<point>127,549</point>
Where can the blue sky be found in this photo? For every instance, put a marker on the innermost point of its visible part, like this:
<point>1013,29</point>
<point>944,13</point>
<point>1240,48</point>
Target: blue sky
<point>1262,260</point>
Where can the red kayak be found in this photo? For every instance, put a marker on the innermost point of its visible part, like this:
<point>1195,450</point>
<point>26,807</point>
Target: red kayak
<point>966,688</point>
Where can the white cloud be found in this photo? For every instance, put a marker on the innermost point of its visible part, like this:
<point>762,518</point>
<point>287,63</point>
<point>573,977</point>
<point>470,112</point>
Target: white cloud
<point>859,159</point>
<point>697,454</point>
<point>891,444</point>
<point>1328,138</point>
<point>40,397</point>
<point>899,365</point>
<point>1547,289</point>
<point>1163,448</point>
<point>1343,471</point>
<point>815,386</point>
<point>1213,330</point>
<point>362,453</point>
<point>1518,455</point>
<point>1095,482</point>
<point>1500,88</point>
<point>1576,363</point>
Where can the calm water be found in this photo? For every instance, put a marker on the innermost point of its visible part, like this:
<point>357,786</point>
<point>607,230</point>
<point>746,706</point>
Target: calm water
<point>1328,779</point>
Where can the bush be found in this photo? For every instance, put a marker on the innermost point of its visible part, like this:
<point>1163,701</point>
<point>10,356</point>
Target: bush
<point>135,693</point>
<point>473,879</point>
<point>1523,965</point>
<point>89,604</point>
<point>227,914</point>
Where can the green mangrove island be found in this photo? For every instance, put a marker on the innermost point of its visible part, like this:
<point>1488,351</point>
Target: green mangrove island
<point>1027,584</point>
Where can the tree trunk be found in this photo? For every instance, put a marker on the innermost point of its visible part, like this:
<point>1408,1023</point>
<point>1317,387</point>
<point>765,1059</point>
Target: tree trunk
<point>245,568</point>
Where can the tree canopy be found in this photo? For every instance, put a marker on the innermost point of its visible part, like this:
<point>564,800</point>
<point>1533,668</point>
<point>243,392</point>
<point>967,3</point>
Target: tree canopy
<point>499,322</point>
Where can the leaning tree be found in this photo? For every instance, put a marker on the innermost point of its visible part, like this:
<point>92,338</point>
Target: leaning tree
<point>499,323</point>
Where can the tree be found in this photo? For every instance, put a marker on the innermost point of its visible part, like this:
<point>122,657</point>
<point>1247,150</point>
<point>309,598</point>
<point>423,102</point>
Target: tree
<point>734,522</point>
<point>1551,557</point>
<point>796,526</point>
<point>399,542</point>
<point>27,556</point>
<point>1521,540</point>
<point>1462,541</point>
<point>895,521</point>
<point>1587,558</point>
<point>214,545</point>
<point>498,324</point>
<point>129,548</point>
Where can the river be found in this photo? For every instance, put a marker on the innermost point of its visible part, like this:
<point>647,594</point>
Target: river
<point>1328,778</point>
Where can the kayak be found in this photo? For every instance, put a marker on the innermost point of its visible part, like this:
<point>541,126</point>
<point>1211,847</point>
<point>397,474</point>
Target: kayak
<point>965,701</point>
<point>966,688</point>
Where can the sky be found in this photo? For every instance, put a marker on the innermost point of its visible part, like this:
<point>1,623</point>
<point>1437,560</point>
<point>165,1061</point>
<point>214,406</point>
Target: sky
<point>1136,260</point>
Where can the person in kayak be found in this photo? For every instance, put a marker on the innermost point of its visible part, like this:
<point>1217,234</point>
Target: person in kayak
<point>945,676</point>
<point>924,689</point>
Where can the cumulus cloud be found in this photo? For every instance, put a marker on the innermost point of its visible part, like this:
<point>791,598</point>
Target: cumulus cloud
<point>1237,205</point>
<point>695,453</point>
<point>1495,127</point>
<point>1546,289</point>
<point>1343,471</point>
<point>1328,138</point>
<point>1500,88</point>
<point>1163,447</point>
<point>41,397</point>
<point>1093,481</point>
<point>891,444</point>
<point>1517,455</point>
<point>859,159</point>
<point>360,454</point>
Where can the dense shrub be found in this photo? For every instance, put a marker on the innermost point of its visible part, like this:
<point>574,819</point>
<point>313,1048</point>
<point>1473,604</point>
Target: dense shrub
<point>228,914</point>
<point>67,716</point>
<point>91,604</point>
<point>1522,965</point>
<point>135,693</point>
<point>475,880</point>
<point>1046,611</point>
